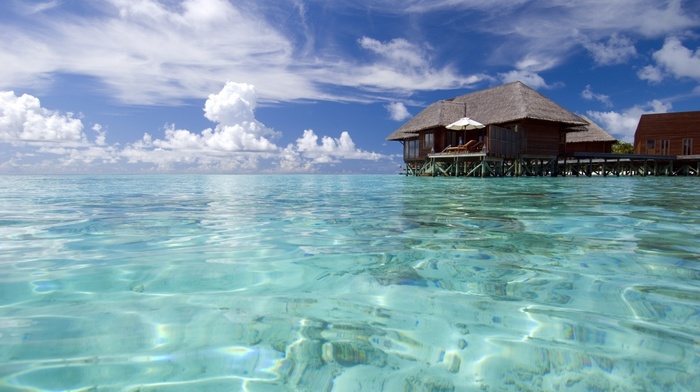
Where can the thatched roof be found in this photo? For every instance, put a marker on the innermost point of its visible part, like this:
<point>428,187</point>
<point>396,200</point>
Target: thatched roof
<point>591,132</point>
<point>497,105</point>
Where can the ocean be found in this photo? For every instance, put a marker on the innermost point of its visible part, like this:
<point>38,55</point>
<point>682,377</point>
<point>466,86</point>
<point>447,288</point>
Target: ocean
<point>349,283</point>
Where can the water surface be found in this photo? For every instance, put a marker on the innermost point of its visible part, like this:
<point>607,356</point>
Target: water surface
<point>349,283</point>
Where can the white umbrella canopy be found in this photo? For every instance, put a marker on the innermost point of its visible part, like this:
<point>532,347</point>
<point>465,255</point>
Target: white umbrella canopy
<point>465,123</point>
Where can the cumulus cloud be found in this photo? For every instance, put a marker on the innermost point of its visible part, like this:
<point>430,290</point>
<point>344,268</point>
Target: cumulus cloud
<point>397,111</point>
<point>674,60</point>
<point>235,103</point>
<point>101,137</point>
<point>678,60</point>
<point>239,132</point>
<point>588,94</point>
<point>237,142</point>
<point>623,124</point>
<point>617,50</point>
<point>330,150</point>
<point>47,140</point>
<point>651,74</point>
<point>24,121</point>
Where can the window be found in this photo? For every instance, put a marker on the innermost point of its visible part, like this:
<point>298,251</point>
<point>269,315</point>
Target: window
<point>428,140</point>
<point>410,149</point>
<point>664,146</point>
<point>650,146</point>
<point>687,146</point>
<point>453,139</point>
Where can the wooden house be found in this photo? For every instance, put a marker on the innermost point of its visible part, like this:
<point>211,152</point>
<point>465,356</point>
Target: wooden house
<point>669,134</point>
<point>520,123</point>
<point>589,138</point>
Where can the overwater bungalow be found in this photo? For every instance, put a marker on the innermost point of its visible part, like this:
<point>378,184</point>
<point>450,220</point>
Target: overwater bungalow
<point>523,133</point>
<point>591,138</point>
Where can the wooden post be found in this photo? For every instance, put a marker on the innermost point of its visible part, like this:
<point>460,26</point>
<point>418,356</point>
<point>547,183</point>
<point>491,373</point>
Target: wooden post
<point>484,169</point>
<point>605,171</point>
<point>563,167</point>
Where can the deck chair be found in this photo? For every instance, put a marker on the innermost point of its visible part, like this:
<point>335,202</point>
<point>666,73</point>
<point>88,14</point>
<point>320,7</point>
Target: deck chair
<point>477,147</point>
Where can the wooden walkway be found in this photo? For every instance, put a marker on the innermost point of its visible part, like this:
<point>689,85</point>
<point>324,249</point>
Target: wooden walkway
<point>481,164</point>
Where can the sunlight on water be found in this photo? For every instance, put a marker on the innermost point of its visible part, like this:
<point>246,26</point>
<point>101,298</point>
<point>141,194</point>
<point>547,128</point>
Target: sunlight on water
<point>349,283</point>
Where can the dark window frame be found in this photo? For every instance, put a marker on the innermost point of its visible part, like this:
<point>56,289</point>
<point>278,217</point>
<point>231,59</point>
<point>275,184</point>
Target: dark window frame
<point>411,149</point>
<point>428,140</point>
<point>688,146</point>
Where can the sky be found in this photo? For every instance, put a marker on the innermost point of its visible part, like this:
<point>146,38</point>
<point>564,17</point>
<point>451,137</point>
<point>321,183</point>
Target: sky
<point>312,86</point>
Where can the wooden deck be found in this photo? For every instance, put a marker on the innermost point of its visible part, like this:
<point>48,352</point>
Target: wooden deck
<point>456,163</point>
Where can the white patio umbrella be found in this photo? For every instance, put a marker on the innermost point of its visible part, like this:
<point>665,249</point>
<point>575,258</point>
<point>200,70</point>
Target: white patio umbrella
<point>465,123</point>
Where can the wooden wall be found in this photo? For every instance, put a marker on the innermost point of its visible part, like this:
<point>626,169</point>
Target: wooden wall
<point>540,138</point>
<point>543,137</point>
<point>605,147</point>
<point>673,127</point>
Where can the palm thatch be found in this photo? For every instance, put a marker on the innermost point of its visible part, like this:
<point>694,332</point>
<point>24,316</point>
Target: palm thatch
<point>591,132</point>
<point>441,113</point>
<point>498,105</point>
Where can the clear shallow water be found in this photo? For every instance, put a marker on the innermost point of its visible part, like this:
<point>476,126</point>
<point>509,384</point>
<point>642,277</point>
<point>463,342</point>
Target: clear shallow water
<point>350,283</point>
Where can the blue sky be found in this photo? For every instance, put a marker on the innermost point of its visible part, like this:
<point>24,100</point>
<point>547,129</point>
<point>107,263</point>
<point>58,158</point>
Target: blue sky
<point>312,86</point>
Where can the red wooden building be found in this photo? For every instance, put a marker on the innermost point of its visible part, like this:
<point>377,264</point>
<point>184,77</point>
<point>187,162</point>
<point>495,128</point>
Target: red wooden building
<point>669,134</point>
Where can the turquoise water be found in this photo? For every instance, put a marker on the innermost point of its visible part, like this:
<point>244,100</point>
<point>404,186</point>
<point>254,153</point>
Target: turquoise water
<point>349,283</point>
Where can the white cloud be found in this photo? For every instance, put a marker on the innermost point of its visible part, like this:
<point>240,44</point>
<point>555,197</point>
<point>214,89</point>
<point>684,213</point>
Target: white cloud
<point>237,129</point>
<point>605,27</point>
<point>678,60</point>
<point>623,124</point>
<point>24,121</point>
<point>101,137</point>
<point>235,103</point>
<point>30,8</point>
<point>330,150</point>
<point>47,141</point>
<point>536,63</point>
<point>617,50</point>
<point>150,52</point>
<point>651,74</point>
<point>397,111</point>
<point>398,65</point>
<point>529,78</point>
<point>398,52</point>
<point>588,94</point>
<point>238,142</point>
<point>157,51</point>
<point>526,71</point>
